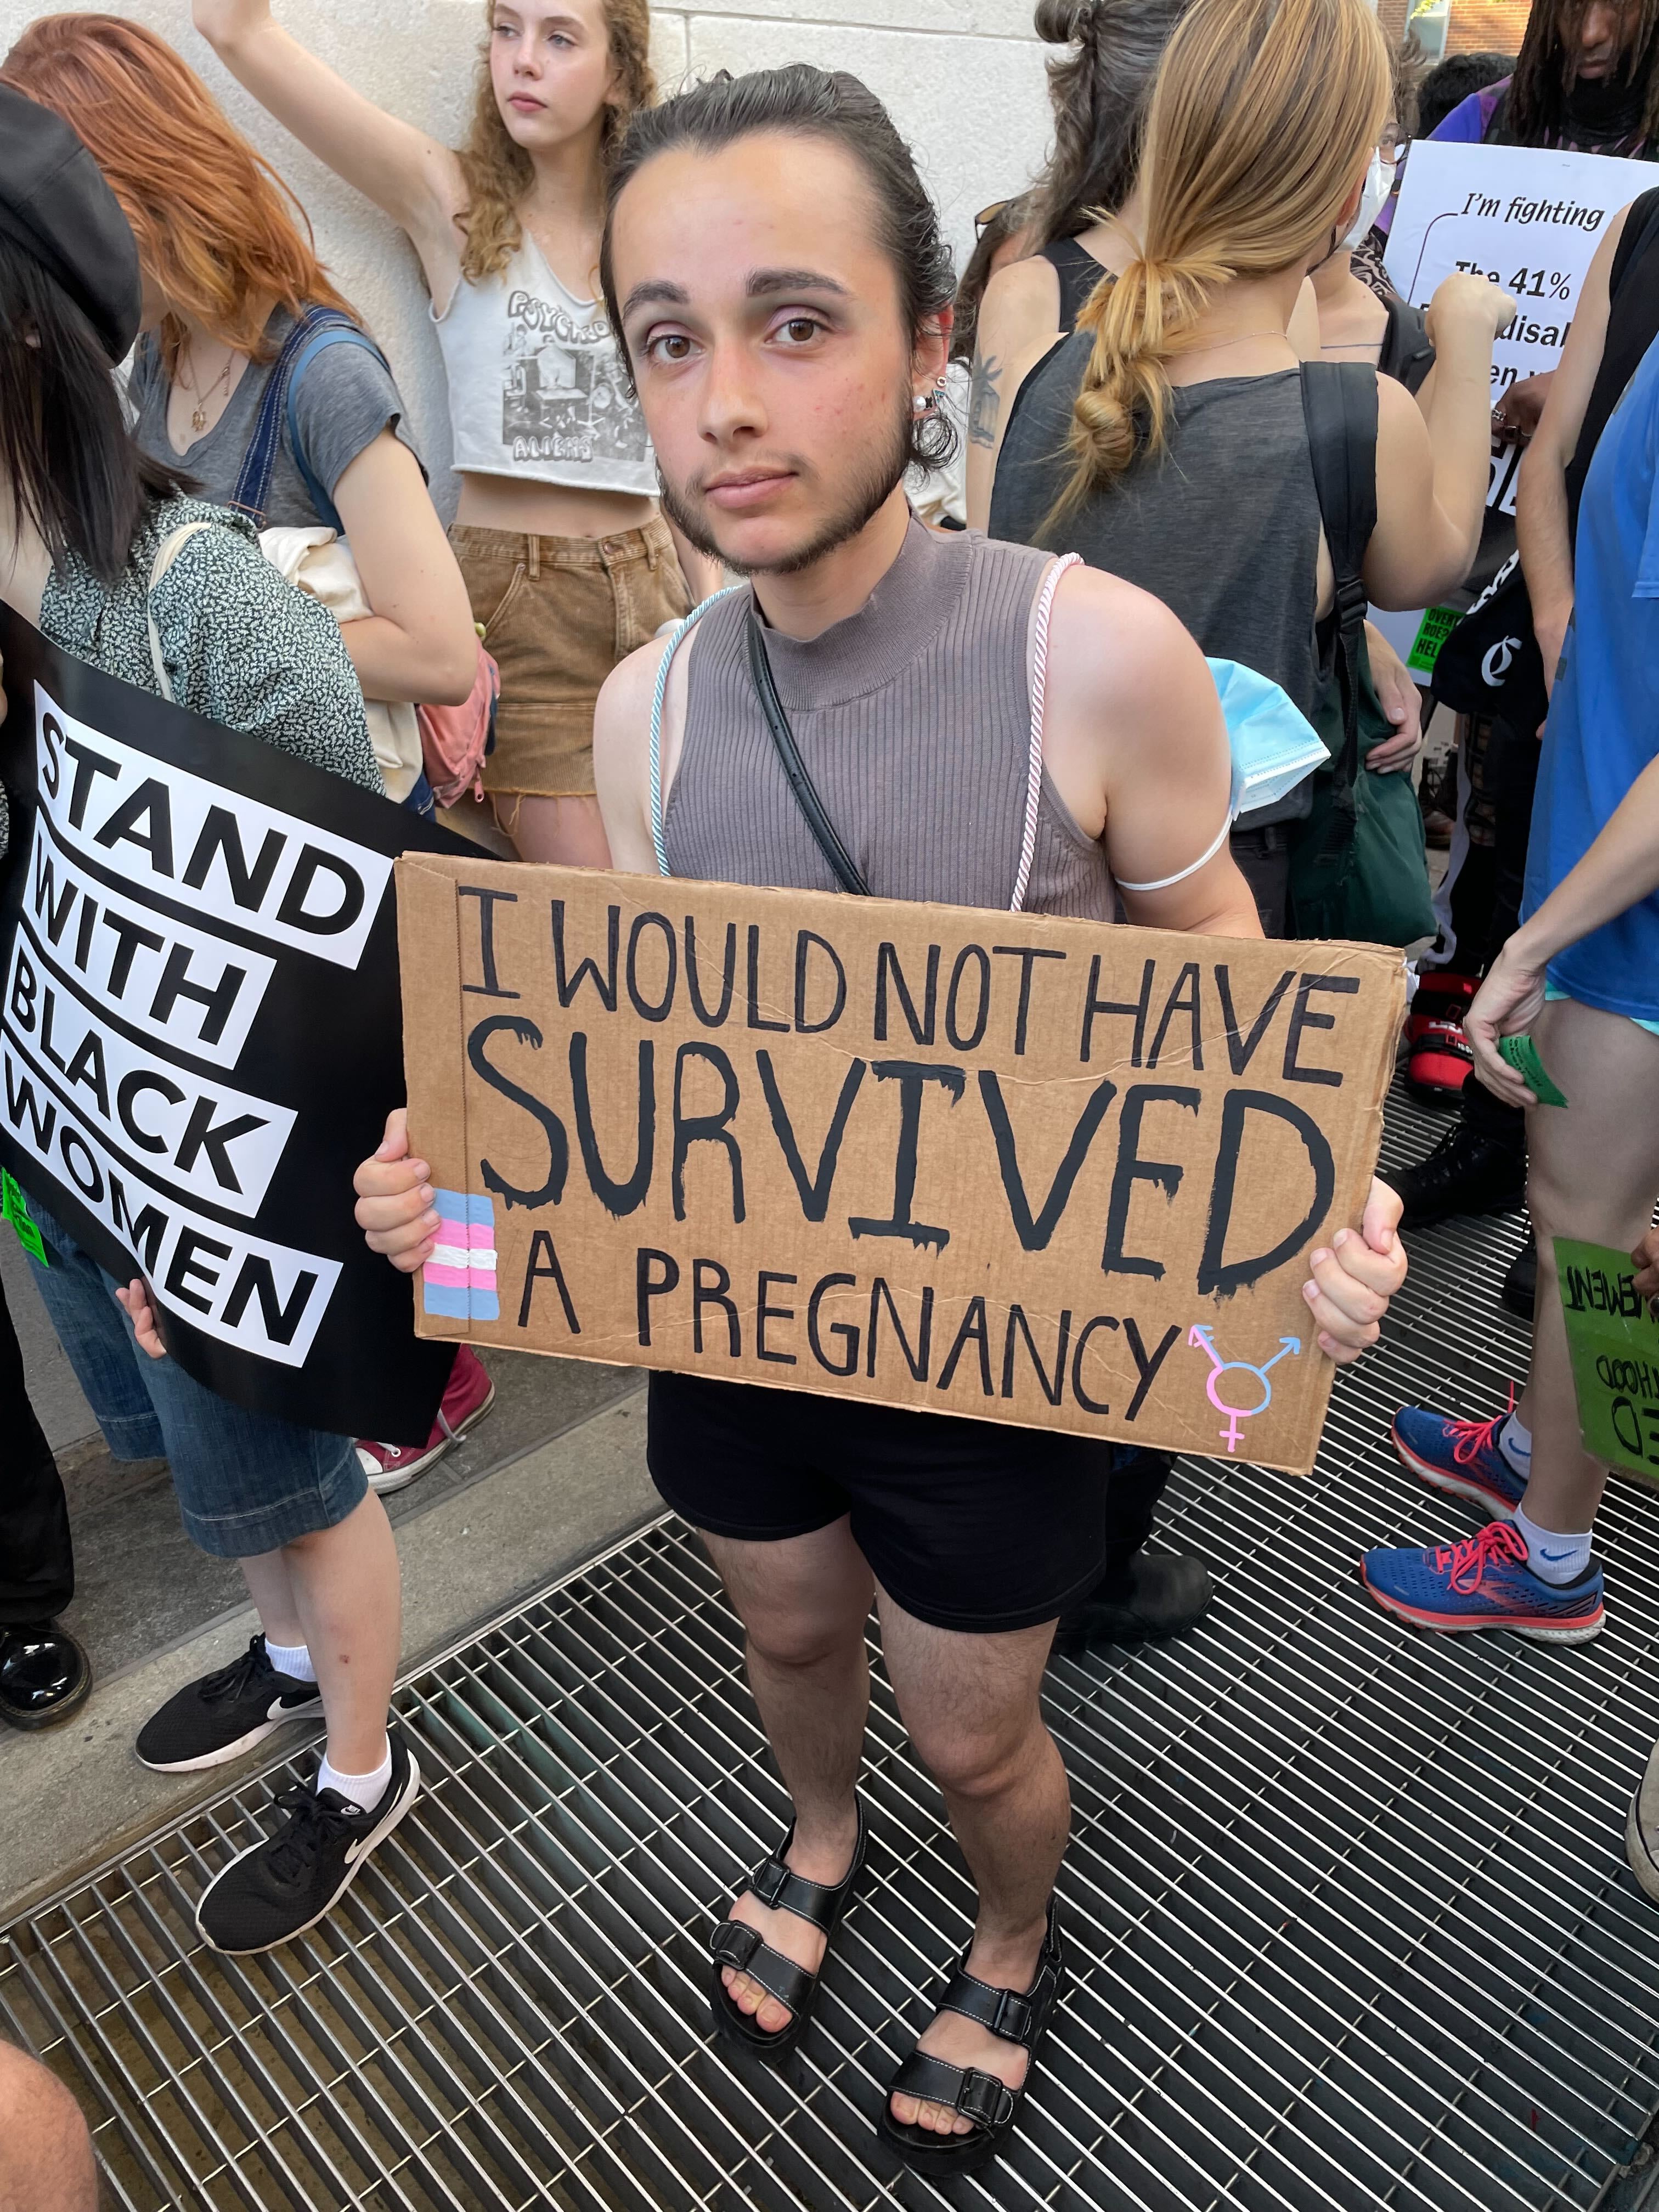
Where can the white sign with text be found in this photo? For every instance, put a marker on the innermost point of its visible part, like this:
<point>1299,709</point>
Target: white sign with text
<point>1529,219</point>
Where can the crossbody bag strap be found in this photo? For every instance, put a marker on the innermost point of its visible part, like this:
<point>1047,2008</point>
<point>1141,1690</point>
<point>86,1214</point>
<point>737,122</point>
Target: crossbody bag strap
<point>165,554</point>
<point>825,835</point>
<point>660,694</point>
<point>1045,607</point>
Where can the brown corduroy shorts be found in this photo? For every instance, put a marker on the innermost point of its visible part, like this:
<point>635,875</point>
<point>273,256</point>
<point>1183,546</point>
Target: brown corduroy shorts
<point>558,614</point>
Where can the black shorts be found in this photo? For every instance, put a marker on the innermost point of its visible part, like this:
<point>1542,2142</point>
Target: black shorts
<point>970,1525</point>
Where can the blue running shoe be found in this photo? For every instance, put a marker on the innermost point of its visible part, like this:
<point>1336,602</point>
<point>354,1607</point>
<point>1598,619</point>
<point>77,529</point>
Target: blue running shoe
<point>1484,1583</point>
<point>1463,1457</point>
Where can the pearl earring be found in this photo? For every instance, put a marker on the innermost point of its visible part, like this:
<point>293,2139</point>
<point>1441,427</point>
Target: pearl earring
<point>921,402</point>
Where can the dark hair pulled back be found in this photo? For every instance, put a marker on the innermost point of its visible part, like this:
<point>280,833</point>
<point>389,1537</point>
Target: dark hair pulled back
<point>807,102</point>
<point>69,463</point>
<point>1099,95</point>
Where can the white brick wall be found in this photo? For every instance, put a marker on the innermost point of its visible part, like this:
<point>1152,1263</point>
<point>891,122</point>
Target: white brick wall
<point>963,79</point>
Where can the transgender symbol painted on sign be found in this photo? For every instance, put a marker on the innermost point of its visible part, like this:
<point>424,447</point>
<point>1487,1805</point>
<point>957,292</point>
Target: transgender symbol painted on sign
<point>1205,1338</point>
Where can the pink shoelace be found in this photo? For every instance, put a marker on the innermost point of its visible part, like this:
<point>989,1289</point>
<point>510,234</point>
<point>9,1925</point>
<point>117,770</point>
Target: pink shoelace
<point>1465,1564</point>
<point>1471,1438</point>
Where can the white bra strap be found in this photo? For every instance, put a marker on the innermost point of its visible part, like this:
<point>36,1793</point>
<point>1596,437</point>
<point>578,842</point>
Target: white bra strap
<point>1181,874</point>
<point>166,553</point>
<point>657,698</point>
<point>1039,686</point>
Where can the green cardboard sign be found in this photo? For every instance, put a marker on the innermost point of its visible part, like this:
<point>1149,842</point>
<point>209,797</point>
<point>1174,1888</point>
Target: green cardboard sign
<point>1612,1334</point>
<point>14,1207</point>
<point>1436,627</point>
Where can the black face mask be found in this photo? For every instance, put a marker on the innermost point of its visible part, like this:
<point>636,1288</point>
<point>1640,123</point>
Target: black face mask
<point>1612,106</point>
<point>1604,108</point>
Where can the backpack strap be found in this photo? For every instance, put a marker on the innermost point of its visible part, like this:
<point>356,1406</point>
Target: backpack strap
<point>1339,406</point>
<point>337,332</point>
<point>277,415</point>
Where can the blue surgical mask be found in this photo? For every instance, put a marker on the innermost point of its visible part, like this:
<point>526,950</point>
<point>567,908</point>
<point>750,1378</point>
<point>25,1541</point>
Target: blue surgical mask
<point>1379,183</point>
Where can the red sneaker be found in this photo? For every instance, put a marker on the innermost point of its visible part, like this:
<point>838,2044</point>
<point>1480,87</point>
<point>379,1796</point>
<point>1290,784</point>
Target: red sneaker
<point>468,1397</point>
<point>1440,996</point>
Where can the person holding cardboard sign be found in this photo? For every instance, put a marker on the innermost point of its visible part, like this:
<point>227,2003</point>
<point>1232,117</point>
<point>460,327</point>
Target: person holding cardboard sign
<point>971,722</point>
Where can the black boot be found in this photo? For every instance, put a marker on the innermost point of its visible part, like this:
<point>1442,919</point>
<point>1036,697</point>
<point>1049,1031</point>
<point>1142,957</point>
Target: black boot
<point>1466,1172</point>
<point>1149,1595</point>
<point>45,1675</point>
<point>1520,1291</point>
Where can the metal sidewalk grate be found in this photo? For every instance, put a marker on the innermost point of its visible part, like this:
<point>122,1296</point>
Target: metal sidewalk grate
<point>1347,1905</point>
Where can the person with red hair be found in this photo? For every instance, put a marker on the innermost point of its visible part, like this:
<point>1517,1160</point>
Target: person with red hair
<point>240,381</point>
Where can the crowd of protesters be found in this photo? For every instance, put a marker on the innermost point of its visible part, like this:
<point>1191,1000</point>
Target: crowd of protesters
<point>1175,355</point>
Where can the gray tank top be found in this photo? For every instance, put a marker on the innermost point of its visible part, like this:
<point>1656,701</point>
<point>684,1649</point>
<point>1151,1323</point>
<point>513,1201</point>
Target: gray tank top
<point>1223,526</point>
<point>913,719</point>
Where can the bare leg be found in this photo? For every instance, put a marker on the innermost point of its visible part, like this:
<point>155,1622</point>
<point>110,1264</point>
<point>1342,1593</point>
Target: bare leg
<point>567,831</point>
<point>971,1706</point>
<point>1593,1173</point>
<point>347,1595</point>
<point>45,2154</point>
<point>271,1588</point>
<point>803,1603</point>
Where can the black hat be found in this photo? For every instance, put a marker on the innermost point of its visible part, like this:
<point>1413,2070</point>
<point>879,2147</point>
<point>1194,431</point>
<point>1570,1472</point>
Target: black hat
<point>55,205</point>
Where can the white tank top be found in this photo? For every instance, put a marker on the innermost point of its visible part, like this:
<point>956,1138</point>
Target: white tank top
<point>536,384</point>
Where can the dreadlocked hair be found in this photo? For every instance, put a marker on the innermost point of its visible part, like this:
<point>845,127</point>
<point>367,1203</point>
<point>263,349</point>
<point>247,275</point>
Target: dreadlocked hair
<point>1547,63</point>
<point>498,172</point>
<point>1260,124</point>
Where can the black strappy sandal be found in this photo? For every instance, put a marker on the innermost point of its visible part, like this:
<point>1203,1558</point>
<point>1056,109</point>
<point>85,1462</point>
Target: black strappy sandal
<point>735,1944</point>
<point>1016,2016</point>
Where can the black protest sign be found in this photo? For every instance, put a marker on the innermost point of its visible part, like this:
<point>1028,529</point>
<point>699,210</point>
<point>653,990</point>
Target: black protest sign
<point>200,1034</point>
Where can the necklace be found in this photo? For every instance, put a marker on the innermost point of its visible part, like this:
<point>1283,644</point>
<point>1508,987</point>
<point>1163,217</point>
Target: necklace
<point>1244,338</point>
<point>199,413</point>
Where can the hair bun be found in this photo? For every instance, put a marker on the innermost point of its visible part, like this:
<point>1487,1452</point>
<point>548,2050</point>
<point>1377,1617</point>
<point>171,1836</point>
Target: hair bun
<point>1062,23</point>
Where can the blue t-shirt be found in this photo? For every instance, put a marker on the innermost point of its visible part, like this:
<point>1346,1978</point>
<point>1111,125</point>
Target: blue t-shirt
<point>1603,727</point>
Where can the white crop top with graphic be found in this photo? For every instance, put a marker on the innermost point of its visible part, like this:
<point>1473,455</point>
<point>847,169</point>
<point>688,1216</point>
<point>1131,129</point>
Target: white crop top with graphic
<point>536,384</point>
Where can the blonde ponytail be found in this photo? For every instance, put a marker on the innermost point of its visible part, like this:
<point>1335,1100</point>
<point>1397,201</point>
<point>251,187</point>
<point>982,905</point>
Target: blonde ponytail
<point>1260,124</point>
<point>1123,408</point>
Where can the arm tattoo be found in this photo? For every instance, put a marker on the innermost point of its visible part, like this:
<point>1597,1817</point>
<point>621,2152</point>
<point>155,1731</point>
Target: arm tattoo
<point>984,401</point>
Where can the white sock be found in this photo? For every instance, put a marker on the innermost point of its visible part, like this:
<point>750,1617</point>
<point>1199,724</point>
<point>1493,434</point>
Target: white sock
<point>291,1659</point>
<point>1552,1557</point>
<point>363,1791</point>
<point>1516,1444</point>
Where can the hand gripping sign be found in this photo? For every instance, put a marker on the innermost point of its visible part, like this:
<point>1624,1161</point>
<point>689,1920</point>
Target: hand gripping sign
<point>1031,1171</point>
<point>199,1035</point>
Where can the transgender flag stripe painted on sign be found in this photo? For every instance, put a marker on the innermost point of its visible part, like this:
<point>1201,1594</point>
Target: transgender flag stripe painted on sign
<point>459,1281</point>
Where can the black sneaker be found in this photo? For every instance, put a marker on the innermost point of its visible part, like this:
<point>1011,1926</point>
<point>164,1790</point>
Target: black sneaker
<point>1466,1172</point>
<point>225,1714</point>
<point>1156,1594</point>
<point>280,1887</point>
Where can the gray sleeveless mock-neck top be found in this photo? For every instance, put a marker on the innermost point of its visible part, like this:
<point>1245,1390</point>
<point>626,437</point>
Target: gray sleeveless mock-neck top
<point>1222,524</point>
<point>913,719</point>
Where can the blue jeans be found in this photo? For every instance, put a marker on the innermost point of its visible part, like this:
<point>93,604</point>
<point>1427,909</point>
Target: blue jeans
<point>246,1483</point>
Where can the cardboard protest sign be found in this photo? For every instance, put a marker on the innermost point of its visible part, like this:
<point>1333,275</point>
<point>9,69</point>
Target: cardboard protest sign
<point>1531,220</point>
<point>200,1034</point>
<point>1034,1170</point>
<point>1613,1335</point>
